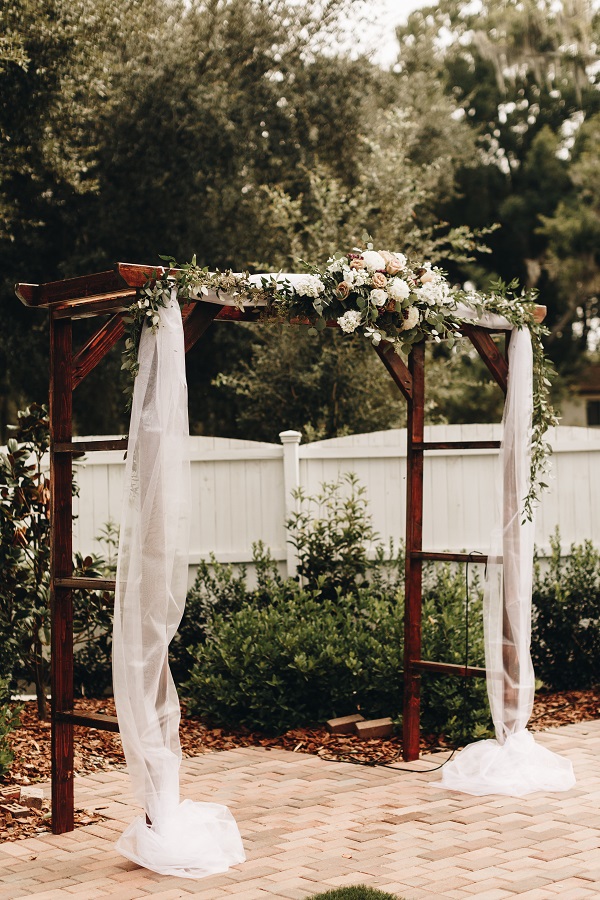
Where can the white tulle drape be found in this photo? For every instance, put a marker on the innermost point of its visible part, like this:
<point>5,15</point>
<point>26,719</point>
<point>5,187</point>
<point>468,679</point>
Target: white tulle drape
<point>513,763</point>
<point>177,838</point>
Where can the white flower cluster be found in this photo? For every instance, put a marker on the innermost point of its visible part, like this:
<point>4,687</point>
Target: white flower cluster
<point>309,286</point>
<point>434,289</point>
<point>350,321</point>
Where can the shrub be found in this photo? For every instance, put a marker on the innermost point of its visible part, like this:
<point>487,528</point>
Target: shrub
<point>25,551</point>
<point>25,568</point>
<point>453,706</point>
<point>332,533</point>
<point>566,617</point>
<point>356,892</point>
<point>218,591</point>
<point>299,660</point>
<point>283,655</point>
<point>303,659</point>
<point>332,557</point>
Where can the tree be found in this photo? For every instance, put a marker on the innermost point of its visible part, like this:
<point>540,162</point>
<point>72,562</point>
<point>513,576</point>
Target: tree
<point>573,239</point>
<point>323,386</point>
<point>525,75</point>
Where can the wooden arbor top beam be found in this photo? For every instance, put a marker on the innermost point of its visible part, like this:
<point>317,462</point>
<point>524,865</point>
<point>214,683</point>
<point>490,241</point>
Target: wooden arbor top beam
<point>113,291</point>
<point>108,293</point>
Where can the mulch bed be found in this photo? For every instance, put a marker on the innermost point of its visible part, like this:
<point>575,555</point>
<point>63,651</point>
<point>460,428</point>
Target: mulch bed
<point>97,751</point>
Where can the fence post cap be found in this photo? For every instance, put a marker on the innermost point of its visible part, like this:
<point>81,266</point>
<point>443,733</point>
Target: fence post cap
<point>290,437</point>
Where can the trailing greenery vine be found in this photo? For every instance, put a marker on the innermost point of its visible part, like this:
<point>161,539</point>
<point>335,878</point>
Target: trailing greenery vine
<point>377,294</point>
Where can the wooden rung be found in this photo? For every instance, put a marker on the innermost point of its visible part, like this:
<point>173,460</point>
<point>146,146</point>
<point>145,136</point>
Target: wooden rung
<point>90,720</point>
<point>457,445</point>
<point>78,582</point>
<point>449,557</point>
<point>425,665</point>
<point>78,447</point>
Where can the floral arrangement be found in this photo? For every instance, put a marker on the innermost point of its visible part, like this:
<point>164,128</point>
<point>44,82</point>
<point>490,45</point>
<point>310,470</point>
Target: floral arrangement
<point>378,294</point>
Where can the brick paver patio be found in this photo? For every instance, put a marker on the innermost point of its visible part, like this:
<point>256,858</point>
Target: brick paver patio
<point>309,825</point>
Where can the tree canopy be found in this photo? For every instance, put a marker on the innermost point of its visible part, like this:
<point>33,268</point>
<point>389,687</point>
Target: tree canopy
<point>244,131</point>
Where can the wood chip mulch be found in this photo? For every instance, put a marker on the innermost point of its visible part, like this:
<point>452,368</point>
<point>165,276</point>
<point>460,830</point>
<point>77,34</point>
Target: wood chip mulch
<point>97,751</point>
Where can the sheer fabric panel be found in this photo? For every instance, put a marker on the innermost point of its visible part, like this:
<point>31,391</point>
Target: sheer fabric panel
<point>513,763</point>
<point>185,839</point>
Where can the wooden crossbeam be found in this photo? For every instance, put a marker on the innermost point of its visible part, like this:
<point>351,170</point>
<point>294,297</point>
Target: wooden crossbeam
<point>96,348</point>
<point>449,556</point>
<point>396,367</point>
<point>42,295</point>
<point>96,305</point>
<point>424,665</point>
<point>197,321</point>
<point>79,582</point>
<point>489,353</point>
<point>79,448</point>
<point>136,275</point>
<point>89,719</point>
<point>459,445</point>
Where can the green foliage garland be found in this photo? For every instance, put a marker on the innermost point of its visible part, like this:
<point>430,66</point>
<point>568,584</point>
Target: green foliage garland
<point>380,295</point>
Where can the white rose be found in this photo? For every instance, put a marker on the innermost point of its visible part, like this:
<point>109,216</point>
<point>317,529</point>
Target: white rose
<point>378,297</point>
<point>401,259</point>
<point>309,286</point>
<point>350,321</point>
<point>398,289</point>
<point>373,261</point>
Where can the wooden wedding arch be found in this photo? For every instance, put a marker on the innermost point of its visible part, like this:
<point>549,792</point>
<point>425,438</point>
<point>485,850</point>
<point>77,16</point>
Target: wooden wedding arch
<point>107,295</point>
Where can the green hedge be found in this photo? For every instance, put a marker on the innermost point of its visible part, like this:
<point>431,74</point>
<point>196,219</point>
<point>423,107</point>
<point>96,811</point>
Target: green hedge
<point>566,618</point>
<point>299,660</point>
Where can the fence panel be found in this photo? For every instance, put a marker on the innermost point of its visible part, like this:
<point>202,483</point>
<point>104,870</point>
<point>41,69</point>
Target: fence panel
<point>239,489</point>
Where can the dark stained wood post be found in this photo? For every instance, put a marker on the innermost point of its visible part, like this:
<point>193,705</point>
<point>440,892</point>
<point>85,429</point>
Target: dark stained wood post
<point>414,544</point>
<point>61,566</point>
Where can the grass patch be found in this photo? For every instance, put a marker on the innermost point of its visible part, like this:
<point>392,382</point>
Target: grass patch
<point>356,892</point>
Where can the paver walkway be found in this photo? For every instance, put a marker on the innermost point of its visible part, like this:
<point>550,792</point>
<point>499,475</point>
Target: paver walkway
<point>309,825</point>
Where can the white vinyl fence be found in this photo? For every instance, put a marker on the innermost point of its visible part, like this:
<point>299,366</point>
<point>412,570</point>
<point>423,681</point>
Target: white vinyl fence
<point>241,490</point>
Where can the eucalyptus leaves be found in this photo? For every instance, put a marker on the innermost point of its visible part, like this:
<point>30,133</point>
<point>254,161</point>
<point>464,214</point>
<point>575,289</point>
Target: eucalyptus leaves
<point>377,294</point>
